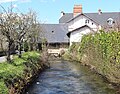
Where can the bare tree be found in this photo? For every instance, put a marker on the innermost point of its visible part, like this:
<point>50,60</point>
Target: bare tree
<point>3,43</point>
<point>19,27</point>
<point>27,29</point>
<point>7,29</point>
<point>22,28</point>
<point>33,33</point>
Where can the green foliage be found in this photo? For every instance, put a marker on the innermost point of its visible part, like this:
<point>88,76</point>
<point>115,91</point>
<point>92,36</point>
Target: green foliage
<point>73,52</point>
<point>32,54</point>
<point>3,88</point>
<point>15,70</point>
<point>101,50</point>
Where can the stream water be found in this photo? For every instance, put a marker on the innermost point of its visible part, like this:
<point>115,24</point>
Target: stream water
<point>65,77</point>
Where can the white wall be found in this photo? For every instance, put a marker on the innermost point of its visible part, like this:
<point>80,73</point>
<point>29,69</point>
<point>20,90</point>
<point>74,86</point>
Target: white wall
<point>76,36</point>
<point>80,21</point>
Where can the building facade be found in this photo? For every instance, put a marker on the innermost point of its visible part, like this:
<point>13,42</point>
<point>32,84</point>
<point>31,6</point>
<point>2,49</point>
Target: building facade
<point>72,26</point>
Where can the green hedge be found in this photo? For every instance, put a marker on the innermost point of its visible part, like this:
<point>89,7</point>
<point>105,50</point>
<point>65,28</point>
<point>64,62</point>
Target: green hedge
<point>102,52</point>
<point>11,73</point>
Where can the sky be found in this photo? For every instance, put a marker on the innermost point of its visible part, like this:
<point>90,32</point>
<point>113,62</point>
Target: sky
<point>49,11</point>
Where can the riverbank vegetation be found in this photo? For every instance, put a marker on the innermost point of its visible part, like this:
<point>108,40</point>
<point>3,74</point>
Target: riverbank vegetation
<point>15,76</point>
<point>19,33</point>
<point>101,52</point>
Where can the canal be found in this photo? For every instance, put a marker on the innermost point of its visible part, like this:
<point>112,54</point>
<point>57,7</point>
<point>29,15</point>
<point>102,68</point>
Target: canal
<point>65,77</point>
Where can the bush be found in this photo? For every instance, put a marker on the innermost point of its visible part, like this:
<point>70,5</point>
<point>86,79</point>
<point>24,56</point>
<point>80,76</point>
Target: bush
<point>3,88</point>
<point>101,50</point>
<point>20,68</point>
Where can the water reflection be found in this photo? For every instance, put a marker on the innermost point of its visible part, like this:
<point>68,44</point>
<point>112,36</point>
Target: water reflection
<point>69,78</point>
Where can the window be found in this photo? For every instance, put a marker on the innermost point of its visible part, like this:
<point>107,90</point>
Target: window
<point>86,21</point>
<point>110,21</point>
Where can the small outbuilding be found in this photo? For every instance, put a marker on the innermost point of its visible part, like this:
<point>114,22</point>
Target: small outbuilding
<point>76,35</point>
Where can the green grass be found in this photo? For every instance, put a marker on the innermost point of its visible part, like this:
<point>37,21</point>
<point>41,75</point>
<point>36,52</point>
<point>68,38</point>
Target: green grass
<point>10,71</point>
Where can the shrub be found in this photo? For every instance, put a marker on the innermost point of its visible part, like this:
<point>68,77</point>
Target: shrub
<point>101,50</point>
<point>20,68</point>
<point>3,88</point>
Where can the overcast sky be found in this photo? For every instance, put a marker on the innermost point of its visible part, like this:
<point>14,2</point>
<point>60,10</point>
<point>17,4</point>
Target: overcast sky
<point>49,10</point>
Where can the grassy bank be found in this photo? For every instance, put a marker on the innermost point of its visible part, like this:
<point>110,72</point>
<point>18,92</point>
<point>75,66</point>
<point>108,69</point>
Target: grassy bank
<point>15,76</point>
<point>101,52</point>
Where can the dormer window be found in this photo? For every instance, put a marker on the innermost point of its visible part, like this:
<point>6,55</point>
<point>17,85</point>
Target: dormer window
<point>110,21</point>
<point>86,21</point>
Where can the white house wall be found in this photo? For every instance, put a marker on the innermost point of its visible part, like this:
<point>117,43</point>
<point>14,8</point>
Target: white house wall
<point>80,21</point>
<point>76,36</point>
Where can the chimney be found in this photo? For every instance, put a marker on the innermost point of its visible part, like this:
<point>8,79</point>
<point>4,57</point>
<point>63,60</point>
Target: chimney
<point>99,11</point>
<point>62,13</point>
<point>77,10</point>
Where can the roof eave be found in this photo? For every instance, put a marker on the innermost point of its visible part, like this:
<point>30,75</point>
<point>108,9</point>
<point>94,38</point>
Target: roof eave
<point>74,18</point>
<point>68,34</point>
<point>80,15</point>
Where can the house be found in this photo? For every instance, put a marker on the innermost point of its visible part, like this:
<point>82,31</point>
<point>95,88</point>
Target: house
<point>72,26</point>
<point>80,23</point>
